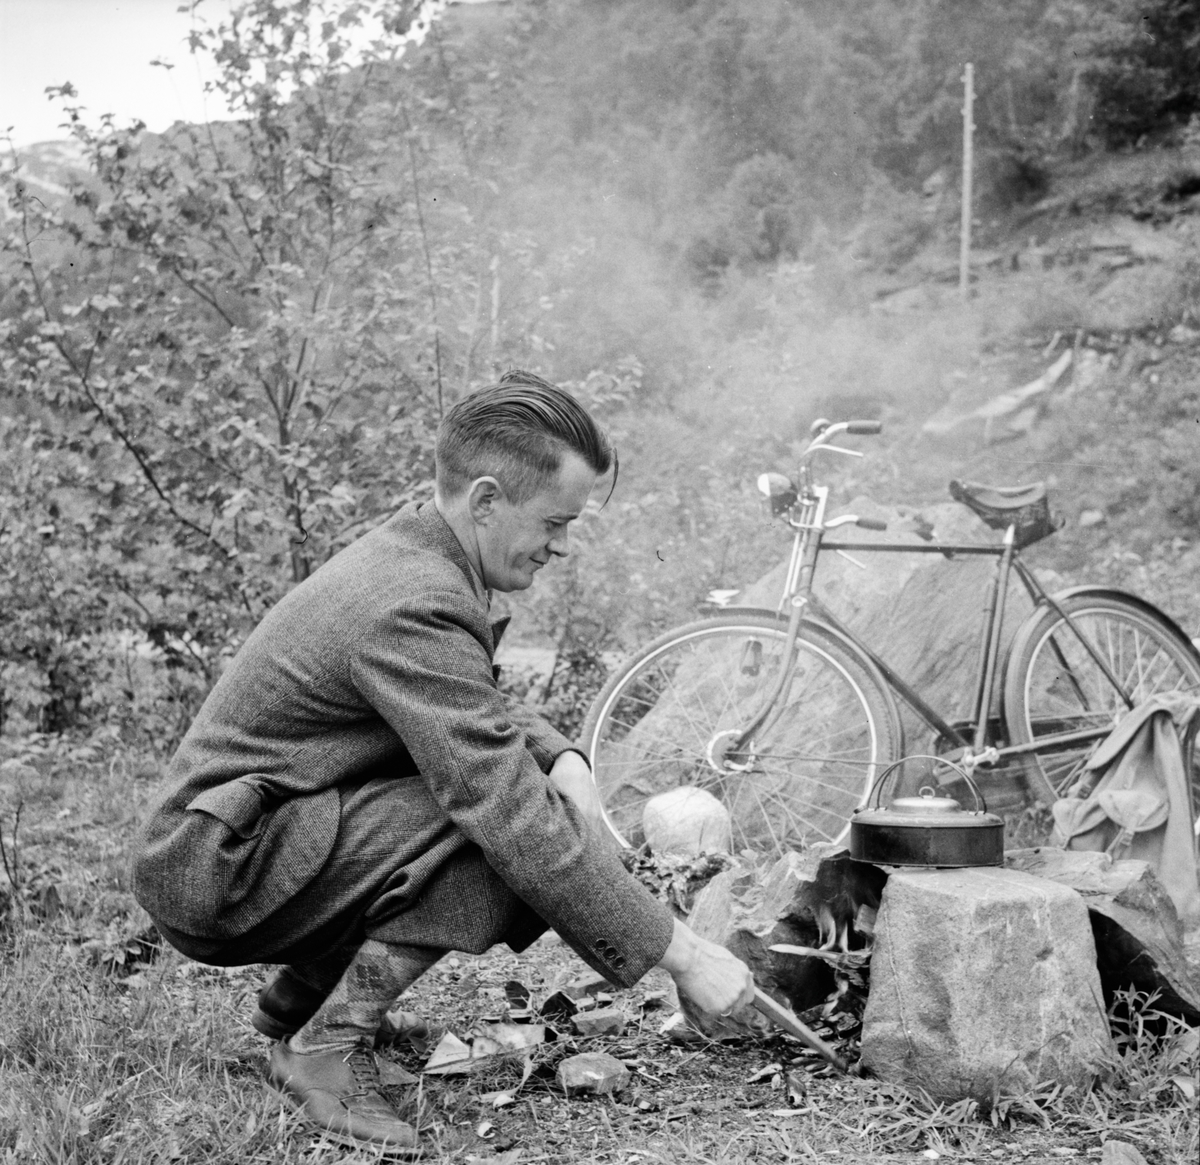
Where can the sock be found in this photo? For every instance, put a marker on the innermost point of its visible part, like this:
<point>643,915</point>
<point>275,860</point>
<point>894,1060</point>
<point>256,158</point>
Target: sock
<point>376,977</point>
<point>324,971</point>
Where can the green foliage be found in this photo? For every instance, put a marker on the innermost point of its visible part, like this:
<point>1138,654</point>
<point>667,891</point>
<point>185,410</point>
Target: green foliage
<point>1142,59</point>
<point>222,362</point>
<point>224,358</point>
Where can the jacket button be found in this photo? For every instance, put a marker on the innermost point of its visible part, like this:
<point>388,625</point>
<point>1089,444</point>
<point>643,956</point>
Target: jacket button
<point>618,961</point>
<point>601,946</point>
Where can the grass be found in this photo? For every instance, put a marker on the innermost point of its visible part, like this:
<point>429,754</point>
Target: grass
<point>113,1050</point>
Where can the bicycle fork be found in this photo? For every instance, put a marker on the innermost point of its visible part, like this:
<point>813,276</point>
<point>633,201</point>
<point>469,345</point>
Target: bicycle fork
<point>796,591</point>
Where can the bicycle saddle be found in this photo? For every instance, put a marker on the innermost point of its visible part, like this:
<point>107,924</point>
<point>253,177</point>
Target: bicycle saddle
<point>1025,507</point>
<point>997,497</point>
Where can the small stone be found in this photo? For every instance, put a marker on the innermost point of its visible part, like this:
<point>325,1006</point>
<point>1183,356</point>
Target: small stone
<point>1120,1153</point>
<point>1091,518</point>
<point>603,1021</point>
<point>587,985</point>
<point>592,1074</point>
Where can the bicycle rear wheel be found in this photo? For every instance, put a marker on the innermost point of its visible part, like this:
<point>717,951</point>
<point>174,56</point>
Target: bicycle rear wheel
<point>1053,685</point>
<point>662,718</point>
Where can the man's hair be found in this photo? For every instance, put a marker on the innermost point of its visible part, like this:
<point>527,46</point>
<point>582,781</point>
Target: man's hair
<point>517,431</point>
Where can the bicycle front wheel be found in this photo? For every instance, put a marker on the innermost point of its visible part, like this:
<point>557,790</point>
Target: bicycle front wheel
<point>666,718</point>
<point>1052,685</point>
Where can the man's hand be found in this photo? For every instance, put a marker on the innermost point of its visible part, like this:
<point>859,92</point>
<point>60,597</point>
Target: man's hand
<point>713,980</point>
<point>572,777</point>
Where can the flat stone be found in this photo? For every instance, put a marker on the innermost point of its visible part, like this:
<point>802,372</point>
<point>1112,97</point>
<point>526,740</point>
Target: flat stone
<point>1120,1153</point>
<point>687,821</point>
<point>586,986</point>
<point>603,1021</point>
<point>983,983</point>
<point>1138,936</point>
<point>591,1074</point>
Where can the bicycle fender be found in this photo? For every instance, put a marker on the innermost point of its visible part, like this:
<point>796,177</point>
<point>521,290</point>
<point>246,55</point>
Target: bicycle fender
<point>766,612</point>
<point>1103,592</point>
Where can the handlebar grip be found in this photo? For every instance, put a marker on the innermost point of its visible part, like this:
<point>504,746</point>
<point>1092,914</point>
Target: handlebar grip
<point>864,428</point>
<point>871,523</point>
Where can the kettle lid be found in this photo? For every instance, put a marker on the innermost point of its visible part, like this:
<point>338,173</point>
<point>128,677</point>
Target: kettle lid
<point>925,802</point>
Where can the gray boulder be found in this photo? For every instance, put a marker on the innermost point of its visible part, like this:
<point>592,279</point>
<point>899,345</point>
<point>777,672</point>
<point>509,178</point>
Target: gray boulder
<point>919,612</point>
<point>1138,936</point>
<point>983,983</point>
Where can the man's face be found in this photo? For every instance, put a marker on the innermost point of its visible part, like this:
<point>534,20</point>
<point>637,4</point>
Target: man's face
<point>516,541</point>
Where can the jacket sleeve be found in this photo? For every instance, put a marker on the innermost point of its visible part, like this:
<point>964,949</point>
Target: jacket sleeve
<point>425,668</point>
<point>546,744</point>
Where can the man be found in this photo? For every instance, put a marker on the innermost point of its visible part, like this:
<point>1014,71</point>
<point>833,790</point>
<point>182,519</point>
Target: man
<point>355,797</point>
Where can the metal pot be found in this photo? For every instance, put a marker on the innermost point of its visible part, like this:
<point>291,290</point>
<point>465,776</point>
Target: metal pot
<point>926,830</point>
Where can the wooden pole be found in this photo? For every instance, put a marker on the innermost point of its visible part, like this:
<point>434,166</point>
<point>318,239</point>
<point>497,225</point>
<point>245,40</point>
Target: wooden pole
<point>964,252</point>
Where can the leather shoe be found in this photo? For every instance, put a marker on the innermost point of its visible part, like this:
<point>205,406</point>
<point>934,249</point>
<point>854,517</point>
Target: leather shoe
<point>337,1092</point>
<point>287,1003</point>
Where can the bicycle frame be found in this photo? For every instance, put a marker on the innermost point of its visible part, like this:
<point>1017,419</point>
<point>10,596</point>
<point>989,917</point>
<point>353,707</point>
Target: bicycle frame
<point>807,517</point>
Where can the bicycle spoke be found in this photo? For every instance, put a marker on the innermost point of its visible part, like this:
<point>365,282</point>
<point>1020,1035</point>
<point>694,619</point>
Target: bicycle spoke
<point>1144,656</point>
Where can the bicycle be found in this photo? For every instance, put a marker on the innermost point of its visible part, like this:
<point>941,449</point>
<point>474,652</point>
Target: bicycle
<point>788,717</point>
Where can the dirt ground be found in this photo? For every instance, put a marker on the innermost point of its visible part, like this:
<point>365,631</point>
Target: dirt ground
<point>115,1050</point>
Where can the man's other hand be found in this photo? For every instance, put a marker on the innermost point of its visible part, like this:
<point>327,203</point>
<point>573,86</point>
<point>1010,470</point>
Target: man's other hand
<point>572,777</point>
<point>713,980</point>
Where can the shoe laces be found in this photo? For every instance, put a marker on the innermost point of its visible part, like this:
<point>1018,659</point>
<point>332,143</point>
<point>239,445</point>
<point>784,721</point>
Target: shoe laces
<point>361,1061</point>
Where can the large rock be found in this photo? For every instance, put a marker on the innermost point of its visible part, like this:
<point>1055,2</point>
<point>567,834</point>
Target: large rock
<point>919,612</point>
<point>1139,939</point>
<point>804,899</point>
<point>687,821</point>
<point>983,983</point>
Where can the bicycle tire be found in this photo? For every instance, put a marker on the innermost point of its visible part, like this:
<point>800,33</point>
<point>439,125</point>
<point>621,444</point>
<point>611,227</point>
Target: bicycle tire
<point>651,727</point>
<point>1142,649</point>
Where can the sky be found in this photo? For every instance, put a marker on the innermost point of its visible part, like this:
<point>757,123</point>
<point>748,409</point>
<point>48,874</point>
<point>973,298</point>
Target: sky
<point>104,48</point>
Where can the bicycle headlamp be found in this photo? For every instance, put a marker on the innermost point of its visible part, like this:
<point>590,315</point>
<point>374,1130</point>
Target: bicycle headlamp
<point>778,490</point>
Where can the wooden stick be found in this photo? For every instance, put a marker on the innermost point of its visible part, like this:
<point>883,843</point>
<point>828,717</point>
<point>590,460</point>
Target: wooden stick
<point>782,1017</point>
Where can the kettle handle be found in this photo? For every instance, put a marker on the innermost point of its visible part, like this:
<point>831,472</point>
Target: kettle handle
<point>980,803</point>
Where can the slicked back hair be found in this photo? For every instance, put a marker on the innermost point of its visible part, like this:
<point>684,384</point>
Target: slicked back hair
<point>517,432</point>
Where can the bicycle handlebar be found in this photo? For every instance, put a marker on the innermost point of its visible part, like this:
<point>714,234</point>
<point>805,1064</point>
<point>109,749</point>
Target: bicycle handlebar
<point>871,523</point>
<point>864,428</point>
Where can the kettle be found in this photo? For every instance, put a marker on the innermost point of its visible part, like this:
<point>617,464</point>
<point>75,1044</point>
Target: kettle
<point>926,830</point>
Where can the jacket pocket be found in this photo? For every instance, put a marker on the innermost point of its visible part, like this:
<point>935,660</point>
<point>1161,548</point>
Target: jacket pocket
<point>236,803</point>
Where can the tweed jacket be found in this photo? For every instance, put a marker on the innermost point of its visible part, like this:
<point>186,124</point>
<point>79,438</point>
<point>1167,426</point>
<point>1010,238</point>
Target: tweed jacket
<point>381,661</point>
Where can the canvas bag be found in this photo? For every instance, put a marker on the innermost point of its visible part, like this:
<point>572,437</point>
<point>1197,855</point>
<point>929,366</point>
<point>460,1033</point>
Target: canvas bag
<point>1135,800</point>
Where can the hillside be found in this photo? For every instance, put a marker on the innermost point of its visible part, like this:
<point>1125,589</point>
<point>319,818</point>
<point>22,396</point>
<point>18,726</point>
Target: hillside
<point>716,220</point>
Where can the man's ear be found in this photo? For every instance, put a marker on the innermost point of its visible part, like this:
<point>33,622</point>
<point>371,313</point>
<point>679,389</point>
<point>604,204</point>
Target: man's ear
<point>482,498</point>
